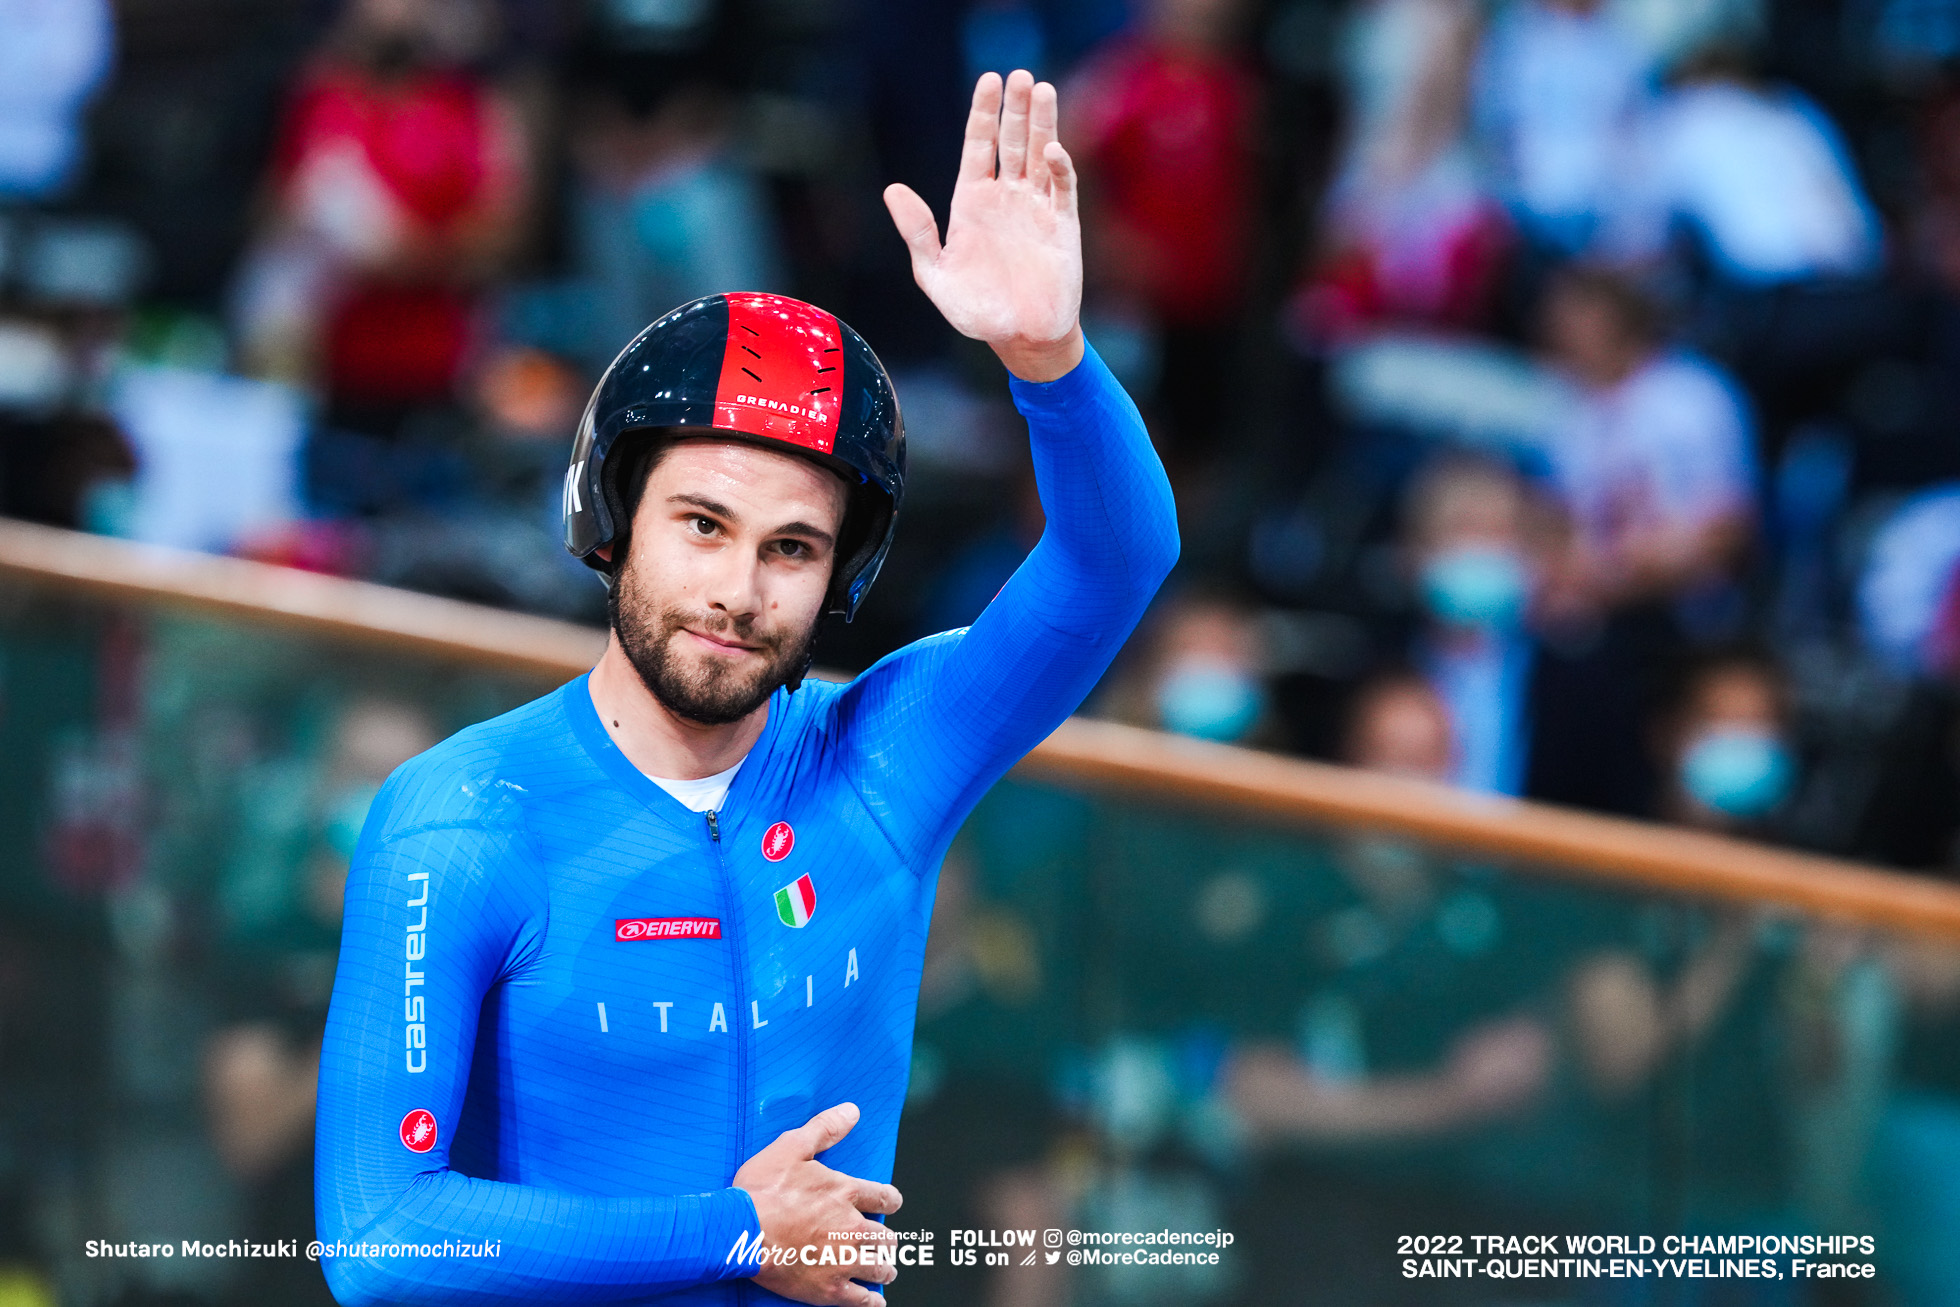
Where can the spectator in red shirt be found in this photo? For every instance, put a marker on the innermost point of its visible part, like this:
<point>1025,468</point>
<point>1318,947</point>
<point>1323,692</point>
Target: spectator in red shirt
<point>397,183</point>
<point>1411,237</point>
<point>1164,129</point>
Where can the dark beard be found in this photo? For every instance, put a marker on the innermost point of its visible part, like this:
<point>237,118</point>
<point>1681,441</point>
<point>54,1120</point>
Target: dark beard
<point>716,696</point>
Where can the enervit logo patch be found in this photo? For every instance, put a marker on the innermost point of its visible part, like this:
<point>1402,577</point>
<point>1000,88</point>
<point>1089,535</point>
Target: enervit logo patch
<point>631,928</point>
<point>419,1130</point>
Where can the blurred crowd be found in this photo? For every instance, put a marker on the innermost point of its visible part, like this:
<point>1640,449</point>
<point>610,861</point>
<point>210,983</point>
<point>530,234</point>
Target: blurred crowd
<point>1558,393</point>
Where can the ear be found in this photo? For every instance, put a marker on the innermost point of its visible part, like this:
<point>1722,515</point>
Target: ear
<point>605,552</point>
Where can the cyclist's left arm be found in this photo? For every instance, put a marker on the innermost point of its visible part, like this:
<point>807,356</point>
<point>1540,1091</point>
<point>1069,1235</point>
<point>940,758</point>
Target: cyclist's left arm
<point>929,728</point>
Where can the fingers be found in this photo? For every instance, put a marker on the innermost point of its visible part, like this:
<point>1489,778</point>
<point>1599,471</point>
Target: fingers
<point>879,1266</point>
<point>916,225</point>
<point>870,1196</point>
<point>856,1295</point>
<point>874,1232</point>
<point>1061,178</point>
<point>825,1128</point>
<point>982,130</point>
<point>1014,125</point>
<point>1044,122</point>
<point>878,1273</point>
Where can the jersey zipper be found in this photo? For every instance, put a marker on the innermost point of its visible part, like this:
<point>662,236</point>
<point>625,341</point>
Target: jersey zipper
<point>740,1030</point>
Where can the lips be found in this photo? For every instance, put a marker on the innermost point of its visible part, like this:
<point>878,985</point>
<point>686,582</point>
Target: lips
<point>726,646</point>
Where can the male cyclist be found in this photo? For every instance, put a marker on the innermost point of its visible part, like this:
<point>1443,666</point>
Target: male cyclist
<point>619,965</point>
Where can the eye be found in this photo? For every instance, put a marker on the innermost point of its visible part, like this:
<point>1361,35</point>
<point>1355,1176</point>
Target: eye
<point>703,525</point>
<point>794,548</point>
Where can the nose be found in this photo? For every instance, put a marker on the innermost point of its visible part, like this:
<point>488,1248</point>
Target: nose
<point>733,585</point>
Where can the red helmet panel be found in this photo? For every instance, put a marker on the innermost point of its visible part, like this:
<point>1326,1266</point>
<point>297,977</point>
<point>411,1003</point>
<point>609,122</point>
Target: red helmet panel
<point>783,373</point>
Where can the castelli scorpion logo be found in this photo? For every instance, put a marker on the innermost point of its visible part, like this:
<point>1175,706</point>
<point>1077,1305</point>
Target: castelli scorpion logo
<point>419,1130</point>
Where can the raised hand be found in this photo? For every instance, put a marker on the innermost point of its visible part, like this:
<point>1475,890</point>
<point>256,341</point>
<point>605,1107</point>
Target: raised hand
<point>1010,271</point>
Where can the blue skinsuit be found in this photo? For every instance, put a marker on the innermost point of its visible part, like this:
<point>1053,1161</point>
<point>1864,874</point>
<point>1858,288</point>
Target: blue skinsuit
<point>590,1097</point>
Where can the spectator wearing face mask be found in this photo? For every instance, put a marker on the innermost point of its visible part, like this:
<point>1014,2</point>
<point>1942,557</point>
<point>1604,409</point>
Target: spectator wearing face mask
<point>1726,746</point>
<point>1527,715</point>
<point>1199,669</point>
<point>1523,1069</point>
<point>1472,556</point>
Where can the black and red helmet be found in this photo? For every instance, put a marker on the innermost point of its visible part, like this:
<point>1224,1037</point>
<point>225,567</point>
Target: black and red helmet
<point>754,367</point>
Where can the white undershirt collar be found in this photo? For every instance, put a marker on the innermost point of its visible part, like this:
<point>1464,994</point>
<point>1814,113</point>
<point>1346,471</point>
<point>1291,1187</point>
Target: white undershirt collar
<point>704,794</point>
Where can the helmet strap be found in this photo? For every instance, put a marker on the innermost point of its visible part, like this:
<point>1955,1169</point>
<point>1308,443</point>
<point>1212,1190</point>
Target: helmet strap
<point>795,678</point>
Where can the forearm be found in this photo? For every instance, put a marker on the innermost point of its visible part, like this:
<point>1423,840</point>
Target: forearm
<point>1111,533</point>
<point>533,1245</point>
<point>392,1217</point>
<point>433,922</point>
<point>937,722</point>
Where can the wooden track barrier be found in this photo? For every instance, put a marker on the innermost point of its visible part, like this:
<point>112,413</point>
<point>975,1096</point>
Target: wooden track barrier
<point>1120,760</point>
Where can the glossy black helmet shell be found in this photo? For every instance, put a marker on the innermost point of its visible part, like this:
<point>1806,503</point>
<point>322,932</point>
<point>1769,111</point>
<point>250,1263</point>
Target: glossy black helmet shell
<point>756,367</point>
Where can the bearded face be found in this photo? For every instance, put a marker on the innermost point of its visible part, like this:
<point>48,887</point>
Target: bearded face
<point>708,688</point>
<point>717,600</point>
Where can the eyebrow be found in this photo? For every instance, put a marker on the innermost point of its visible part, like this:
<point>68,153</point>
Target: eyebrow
<point>723,511</point>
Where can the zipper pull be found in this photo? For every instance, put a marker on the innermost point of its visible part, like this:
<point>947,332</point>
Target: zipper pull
<point>714,827</point>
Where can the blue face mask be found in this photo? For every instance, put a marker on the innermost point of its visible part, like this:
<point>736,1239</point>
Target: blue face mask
<point>1477,585</point>
<point>1740,772</point>
<point>1212,701</point>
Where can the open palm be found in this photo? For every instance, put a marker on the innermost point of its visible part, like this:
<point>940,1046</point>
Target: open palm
<point>1010,270</point>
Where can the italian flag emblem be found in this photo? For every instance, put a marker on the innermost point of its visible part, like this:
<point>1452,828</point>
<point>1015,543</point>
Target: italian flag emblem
<point>796,902</point>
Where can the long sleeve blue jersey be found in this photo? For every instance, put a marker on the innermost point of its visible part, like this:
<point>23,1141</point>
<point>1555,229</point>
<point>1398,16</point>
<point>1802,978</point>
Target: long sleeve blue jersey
<point>568,1008</point>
